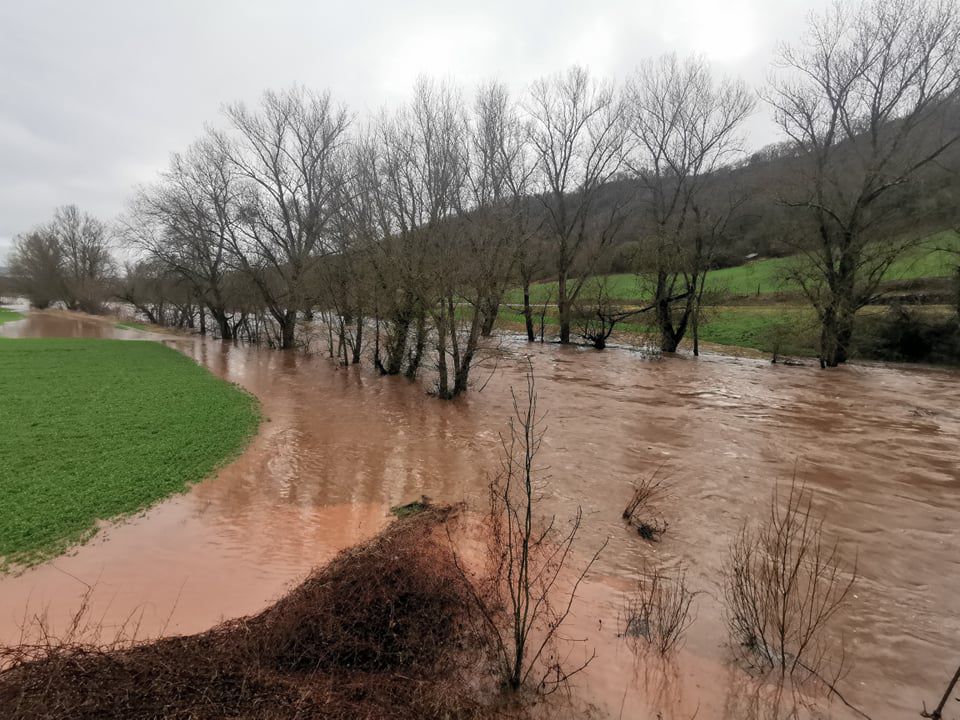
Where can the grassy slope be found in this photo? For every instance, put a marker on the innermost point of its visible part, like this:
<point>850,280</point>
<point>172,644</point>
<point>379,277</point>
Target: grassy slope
<point>93,429</point>
<point>766,276</point>
<point>8,316</point>
<point>792,329</point>
<point>132,325</point>
<point>757,327</point>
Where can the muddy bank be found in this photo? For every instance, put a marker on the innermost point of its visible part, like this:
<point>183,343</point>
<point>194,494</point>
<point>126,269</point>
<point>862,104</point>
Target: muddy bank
<point>879,446</point>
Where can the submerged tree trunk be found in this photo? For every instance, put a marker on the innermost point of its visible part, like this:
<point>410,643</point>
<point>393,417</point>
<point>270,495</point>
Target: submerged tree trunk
<point>227,330</point>
<point>396,347</point>
<point>696,333</point>
<point>288,327</point>
<point>491,308</point>
<point>357,342</point>
<point>563,309</point>
<point>528,311</point>
<point>443,386</point>
<point>416,355</point>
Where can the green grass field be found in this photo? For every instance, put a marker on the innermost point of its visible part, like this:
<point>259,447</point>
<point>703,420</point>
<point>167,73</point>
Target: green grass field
<point>8,316</point>
<point>95,429</point>
<point>764,277</point>
<point>791,329</point>
<point>132,325</point>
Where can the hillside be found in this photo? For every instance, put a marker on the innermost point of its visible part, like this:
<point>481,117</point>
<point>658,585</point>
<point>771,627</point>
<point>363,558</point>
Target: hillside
<point>768,276</point>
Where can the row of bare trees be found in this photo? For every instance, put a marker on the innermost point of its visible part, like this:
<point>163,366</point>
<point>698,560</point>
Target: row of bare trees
<point>413,225</point>
<point>404,231</point>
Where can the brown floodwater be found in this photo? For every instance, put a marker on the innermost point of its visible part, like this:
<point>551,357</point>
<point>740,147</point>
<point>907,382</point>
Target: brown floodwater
<point>878,445</point>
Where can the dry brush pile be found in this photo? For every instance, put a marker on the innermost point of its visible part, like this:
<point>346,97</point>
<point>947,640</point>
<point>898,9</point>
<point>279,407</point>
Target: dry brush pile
<point>382,631</point>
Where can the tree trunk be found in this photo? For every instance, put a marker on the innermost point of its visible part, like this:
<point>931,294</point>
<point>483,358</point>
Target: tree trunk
<point>491,309</point>
<point>828,338</point>
<point>443,388</point>
<point>528,311</point>
<point>668,341</point>
<point>958,293</point>
<point>288,329</point>
<point>357,342</point>
<point>223,323</point>
<point>397,346</point>
<point>416,356</point>
<point>563,309</point>
<point>668,337</point>
<point>836,332</point>
<point>696,338</point>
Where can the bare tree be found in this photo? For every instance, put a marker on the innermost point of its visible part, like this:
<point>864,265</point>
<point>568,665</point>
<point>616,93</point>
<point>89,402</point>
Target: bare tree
<point>578,136</point>
<point>185,221</point>
<point>783,584</point>
<point>67,259</point>
<point>532,584</point>
<point>685,126</point>
<point>413,164</point>
<point>35,268</point>
<point>145,286</point>
<point>289,157</point>
<point>863,101</point>
<point>598,312</point>
<point>87,263</point>
<point>478,256</point>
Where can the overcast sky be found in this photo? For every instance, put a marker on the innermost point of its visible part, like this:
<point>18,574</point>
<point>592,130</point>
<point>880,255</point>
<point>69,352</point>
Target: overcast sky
<point>95,95</point>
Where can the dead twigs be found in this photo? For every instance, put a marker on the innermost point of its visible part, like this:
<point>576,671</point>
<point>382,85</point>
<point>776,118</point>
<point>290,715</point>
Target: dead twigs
<point>661,609</point>
<point>642,512</point>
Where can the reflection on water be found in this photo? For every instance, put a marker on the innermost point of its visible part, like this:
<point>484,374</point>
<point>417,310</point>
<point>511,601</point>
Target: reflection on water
<point>879,447</point>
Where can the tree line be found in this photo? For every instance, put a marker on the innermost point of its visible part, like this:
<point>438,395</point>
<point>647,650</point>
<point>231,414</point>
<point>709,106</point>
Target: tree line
<point>404,231</point>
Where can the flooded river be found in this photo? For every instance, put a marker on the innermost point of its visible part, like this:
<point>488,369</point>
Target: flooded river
<point>879,446</point>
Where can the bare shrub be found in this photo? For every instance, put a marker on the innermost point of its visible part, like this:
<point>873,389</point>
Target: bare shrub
<point>530,585</point>
<point>783,583</point>
<point>661,610</point>
<point>642,512</point>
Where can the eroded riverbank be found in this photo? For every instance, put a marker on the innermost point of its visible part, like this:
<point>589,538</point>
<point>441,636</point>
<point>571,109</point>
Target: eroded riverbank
<point>879,447</point>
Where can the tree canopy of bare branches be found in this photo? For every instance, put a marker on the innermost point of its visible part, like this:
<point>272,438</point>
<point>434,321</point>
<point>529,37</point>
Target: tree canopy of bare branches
<point>533,582</point>
<point>577,132</point>
<point>67,259</point>
<point>863,101</point>
<point>287,156</point>
<point>685,126</point>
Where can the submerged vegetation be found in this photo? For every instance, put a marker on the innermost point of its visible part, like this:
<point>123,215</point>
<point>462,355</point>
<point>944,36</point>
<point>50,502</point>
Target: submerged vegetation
<point>92,429</point>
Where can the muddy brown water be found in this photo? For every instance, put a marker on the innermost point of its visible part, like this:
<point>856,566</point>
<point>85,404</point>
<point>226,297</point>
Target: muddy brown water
<point>879,446</point>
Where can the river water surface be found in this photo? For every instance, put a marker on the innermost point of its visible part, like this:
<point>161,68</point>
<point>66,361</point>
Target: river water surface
<point>879,447</point>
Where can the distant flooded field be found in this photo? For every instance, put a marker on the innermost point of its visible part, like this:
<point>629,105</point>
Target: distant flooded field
<point>878,446</point>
